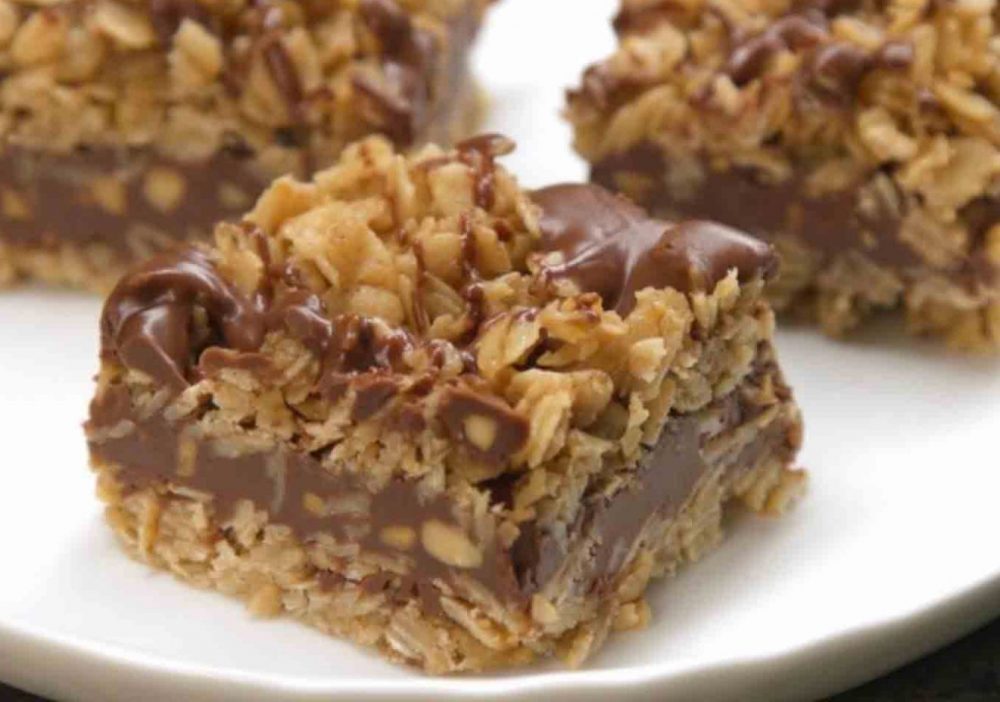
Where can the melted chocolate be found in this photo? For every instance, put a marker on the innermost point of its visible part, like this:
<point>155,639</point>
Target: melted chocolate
<point>147,319</point>
<point>403,97</point>
<point>829,224</point>
<point>612,247</point>
<point>393,28</point>
<point>510,430</point>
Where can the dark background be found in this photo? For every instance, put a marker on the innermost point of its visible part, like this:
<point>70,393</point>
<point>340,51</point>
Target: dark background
<point>966,671</point>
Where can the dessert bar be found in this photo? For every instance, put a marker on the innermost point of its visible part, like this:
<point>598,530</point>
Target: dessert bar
<point>417,406</point>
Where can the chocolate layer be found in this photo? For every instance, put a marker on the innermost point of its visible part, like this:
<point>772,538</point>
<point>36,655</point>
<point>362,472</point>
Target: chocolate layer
<point>105,195</point>
<point>293,487</point>
<point>666,477</point>
<point>611,247</point>
<point>830,224</point>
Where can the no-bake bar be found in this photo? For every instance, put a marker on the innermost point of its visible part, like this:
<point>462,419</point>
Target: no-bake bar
<point>414,405</point>
<point>126,125</point>
<point>860,137</point>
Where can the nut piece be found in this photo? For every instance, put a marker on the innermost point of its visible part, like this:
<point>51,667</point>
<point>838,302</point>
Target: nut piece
<point>399,537</point>
<point>265,602</point>
<point>543,611</point>
<point>109,193</point>
<point>187,452</point>
<point>480,431</point>
<point>164,188</point>
<point>449,545</point>
<point>124,25</point>
<point>314,504</point>
<point>632,615</point>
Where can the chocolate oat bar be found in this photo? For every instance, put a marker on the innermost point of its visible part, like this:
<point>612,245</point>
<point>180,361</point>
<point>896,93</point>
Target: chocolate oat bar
<point>860,137</point>
<point>130,124</point>
<point>416,406</point>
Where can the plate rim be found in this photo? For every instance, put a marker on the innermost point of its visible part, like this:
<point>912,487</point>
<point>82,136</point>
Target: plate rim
<point>940,622</point>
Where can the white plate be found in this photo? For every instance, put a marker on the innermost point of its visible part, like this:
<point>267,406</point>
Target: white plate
<point>892,552</point>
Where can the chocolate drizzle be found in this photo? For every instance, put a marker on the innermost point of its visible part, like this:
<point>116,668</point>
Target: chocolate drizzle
<point>640,18</point>
<point>403,96</point>
<point>749,58</point>
<point>836,70</point>
<point>833,70</point>
<point>285,76</point>
<point>150,324</point>
<point>479,153</point>
<point>612,247</point>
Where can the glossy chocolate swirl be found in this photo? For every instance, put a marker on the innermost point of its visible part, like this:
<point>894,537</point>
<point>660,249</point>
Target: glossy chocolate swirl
<point>148,318</point>
<point>612,247</point>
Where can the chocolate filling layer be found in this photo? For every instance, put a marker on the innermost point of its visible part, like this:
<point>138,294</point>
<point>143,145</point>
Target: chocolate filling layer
<point>296,491</point>
<point>101,194</point>
<point>829,225</point>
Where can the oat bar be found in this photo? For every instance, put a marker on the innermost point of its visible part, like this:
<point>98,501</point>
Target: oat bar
<point>860,137</point>
<point>126,125</point>
<point>416,406</point>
